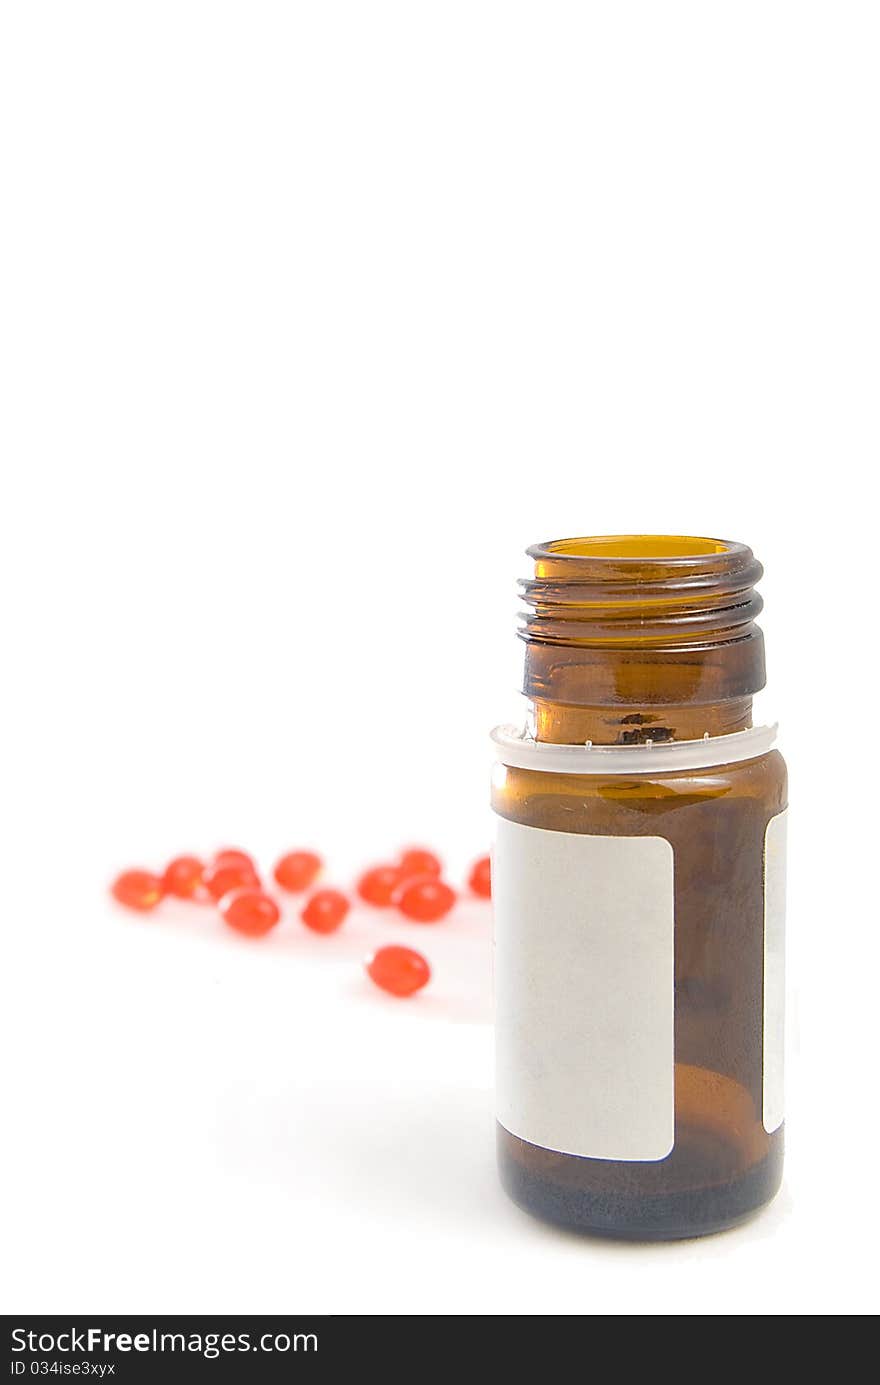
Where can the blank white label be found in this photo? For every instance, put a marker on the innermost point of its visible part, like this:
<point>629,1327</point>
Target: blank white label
<point>774,972</point>
<point>584,991</point>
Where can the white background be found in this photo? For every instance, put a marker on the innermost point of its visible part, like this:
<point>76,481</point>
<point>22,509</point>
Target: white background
<point>314,316</point>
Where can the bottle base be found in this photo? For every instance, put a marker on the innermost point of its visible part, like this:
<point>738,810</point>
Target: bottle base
<point>631,1214</point>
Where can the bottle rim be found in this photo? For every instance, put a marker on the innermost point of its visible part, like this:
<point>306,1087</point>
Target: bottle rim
<point>638,549</point>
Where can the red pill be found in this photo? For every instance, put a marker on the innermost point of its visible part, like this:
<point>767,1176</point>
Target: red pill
<point>426,900</point>
<point>221,879</point>
<point>231,856</point>
<point>480,878</point>
<point>250,911</point>
<point>398,970</point>
<point>325,911</point>
<point>297,870</point>
<point>137,889</point>
<point>377,886</point>
<point>417,860</point>
<point>183,877</point>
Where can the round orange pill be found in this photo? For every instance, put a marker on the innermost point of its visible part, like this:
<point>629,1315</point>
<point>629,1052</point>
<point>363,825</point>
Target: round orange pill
<point>183,877</point>
<point>417,860</point>
<point>378,885</point>
<point>297,870</point>
<point>137,889</point>
<point>399,970</point>
<point>219,879</point>
<point>480,878</point>
<point>426,900</point>
<point>325,911</point>
<point>233,856</point>
<point>250,911</point>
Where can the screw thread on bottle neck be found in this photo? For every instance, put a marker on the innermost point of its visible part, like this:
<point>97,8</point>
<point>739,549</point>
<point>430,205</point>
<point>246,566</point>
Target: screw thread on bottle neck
<point>639,637</point>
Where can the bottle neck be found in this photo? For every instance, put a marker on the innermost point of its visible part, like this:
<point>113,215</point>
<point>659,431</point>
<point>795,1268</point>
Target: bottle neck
<point>641,638</point>
<point>626,725</point>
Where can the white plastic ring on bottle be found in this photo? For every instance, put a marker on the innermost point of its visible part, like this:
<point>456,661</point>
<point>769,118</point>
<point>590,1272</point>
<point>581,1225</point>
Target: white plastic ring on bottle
<point>520,751</point>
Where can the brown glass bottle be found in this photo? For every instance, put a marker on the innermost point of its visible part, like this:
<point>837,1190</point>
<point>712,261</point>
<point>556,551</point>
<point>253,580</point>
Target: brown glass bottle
<point>640,641</point>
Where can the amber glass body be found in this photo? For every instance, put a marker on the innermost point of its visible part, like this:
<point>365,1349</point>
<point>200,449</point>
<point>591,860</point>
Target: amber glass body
<point>628,640</point>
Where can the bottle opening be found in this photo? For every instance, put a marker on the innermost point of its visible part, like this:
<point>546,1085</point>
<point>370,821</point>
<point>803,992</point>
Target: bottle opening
<point>635,546</point>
